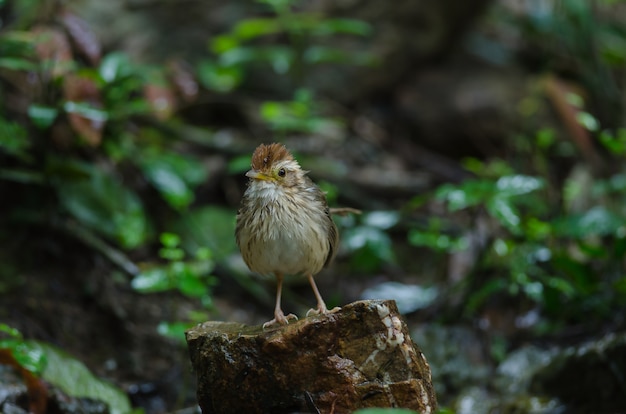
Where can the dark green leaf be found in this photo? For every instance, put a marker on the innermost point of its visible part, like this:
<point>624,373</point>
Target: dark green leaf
<point>17,64</point>
<point>101,202</point>
<point>207,227</point>
<point>279,57</point>
<point>479,297</point>
<point>329,27</point>
<point>14,139</point>
<point>190,284</point>
<point>370,247</point>
<point>598,221</point>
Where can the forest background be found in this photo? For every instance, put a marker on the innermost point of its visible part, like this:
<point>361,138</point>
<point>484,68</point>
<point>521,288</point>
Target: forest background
<point>483,140</point>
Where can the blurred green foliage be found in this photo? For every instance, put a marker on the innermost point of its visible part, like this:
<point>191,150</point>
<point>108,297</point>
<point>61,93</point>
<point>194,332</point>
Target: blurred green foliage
<point>301,115</point>
<point>190,277</point>
<point>28,356</point>
<point>561,246</point>
<point>366,240</point>
<point>84,152</point>
<point>291,41</point>
<point>61,370</point>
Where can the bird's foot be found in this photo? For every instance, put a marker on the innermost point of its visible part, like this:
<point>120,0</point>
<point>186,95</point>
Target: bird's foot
<point>279,319</point>
<point>322,309</point>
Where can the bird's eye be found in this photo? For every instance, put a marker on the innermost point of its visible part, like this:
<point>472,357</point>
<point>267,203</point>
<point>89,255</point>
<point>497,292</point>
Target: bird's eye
<point>281,172</point>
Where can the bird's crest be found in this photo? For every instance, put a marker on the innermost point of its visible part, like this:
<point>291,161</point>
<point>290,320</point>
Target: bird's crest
<point>265,155</point>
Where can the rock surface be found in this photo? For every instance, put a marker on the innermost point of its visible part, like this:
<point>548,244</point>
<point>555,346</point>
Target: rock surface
<point>361,356</point>
<point>588,378</point>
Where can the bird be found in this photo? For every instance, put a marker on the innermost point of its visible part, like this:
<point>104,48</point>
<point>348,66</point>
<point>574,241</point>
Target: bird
<point>284,224</point>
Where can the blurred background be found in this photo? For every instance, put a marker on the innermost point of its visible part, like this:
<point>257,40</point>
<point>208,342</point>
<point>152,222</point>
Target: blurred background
<point>483,140</point>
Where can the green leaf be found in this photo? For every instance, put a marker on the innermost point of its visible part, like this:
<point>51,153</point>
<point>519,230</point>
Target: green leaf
<point>502,209</point>
<point>172,253</point>
<point>190,284</point>
<point>14,140</point>
<point>329,27</point>
<point>616,143</point>
<point>22,176</point>
<point>381,219</point>
<point>325,54</point>
<point>207,227</point>
<point>223,43</point>
<point>239,56</point>
<point>253,28</point>
<point>219,78</point>
<point>30,358</point>
<point>86,110</point>
<point>169,239</point>
<point>156,279</point>
<point>437,241</point>
<point>10,331</point>
<point>42,116</point>
<point>115,66</point>
<point>17,64</point>
<point>514,185</point>
<point>74,378</point>
<point>370,247</point>
<point>468,194</point>
<point>598,221</point>
<point>174,330</point>
<point>588,121</point>
<point>173,175</point>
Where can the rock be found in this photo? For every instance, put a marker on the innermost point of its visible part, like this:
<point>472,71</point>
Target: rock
<point>588,378</point>
<point>361,356</point>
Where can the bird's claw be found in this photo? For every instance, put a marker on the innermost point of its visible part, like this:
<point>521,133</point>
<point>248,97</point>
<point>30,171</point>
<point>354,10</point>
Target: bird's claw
<point>280,319</point>
<point>322,310</point>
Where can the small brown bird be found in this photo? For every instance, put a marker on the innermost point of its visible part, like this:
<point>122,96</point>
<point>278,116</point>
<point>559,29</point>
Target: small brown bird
<point>284,225</point>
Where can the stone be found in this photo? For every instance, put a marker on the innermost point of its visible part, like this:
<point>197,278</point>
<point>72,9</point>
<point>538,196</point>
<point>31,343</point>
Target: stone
<point>588,378</point>
<point>358,357</point>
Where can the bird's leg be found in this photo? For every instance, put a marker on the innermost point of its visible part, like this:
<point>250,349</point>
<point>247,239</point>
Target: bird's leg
<point>279,316</point>
<point>321,305</point>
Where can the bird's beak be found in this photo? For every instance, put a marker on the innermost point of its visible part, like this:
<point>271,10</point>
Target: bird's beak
<point>258,175</point>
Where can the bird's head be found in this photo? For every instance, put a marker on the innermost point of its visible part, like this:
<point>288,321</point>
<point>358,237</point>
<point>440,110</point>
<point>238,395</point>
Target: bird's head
<point>273,163</point>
